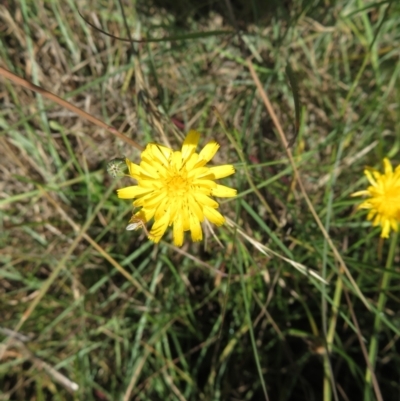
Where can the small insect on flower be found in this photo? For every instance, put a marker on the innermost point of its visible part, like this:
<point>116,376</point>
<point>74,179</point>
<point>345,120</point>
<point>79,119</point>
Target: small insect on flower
<point>136,222</point>
<point>175,187</point>
<point>384,198</point>
<point>117,167</point>
<point>134,226</point>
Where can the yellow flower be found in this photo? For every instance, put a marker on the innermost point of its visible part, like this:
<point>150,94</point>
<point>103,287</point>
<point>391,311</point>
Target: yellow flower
<point>174,188</point>
<point>384,198</point>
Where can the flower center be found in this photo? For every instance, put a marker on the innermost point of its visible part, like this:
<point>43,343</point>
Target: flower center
<point>178,185</point>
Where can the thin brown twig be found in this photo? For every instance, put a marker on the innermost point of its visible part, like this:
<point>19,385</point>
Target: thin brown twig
<point>51,96</point>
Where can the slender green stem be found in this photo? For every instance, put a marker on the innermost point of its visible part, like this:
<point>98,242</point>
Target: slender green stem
<point>328,389</point>
<point>373,347</point>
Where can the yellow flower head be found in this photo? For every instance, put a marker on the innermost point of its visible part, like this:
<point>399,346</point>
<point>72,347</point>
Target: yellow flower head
<point>384,198</point>
<point>174,188</point>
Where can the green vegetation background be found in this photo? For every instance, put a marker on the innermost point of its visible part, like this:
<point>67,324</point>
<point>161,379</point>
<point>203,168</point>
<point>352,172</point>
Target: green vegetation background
<point>173,328</point>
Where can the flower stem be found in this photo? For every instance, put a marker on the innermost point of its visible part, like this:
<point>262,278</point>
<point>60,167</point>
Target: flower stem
<point>328,379</point>
<point>373,347</point>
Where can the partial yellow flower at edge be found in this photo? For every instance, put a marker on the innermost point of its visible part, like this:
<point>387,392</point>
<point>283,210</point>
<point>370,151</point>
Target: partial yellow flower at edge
<point>383,200</point>
<point>174,188</point>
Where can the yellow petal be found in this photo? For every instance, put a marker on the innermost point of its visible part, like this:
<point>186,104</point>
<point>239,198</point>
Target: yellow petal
<point>388,166</point>
<point>370,178</point>
<point>159,227</point>
<point>178,230</point>
<point>150,183</point>
<point>204,183</point>
<point>394,225</point>
<point>132,192</point>
<point>175,208</point>
<point>176,160</point>
<point>204,200</point>
<point>146,214</point>
<point>167,152</point>
<point>185,217</point>
<point>223,192</point>
<point>190,144</point>
<point>143,201</point>
<point>222,171</point>
<point>138,202</point>
<point>377,220</point>
<point>149,169</point>
<point>159,163</point>
<point>365,205</point>
<point>202,190</point>
<point>195,228</point>
<point>147,155</point>
<point>201,172</point>
<point>154,199</point>
<point>195,208</point>
<point>209,151</point>
<point>371,214</point>
<point>213,216</point>
<point>161,209</point>
<point>385,229</point>
<point>134,169</point>
<point>377,177</point>
<point>160,153</point>
<point>192,161</point>
<point>360,193</point>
